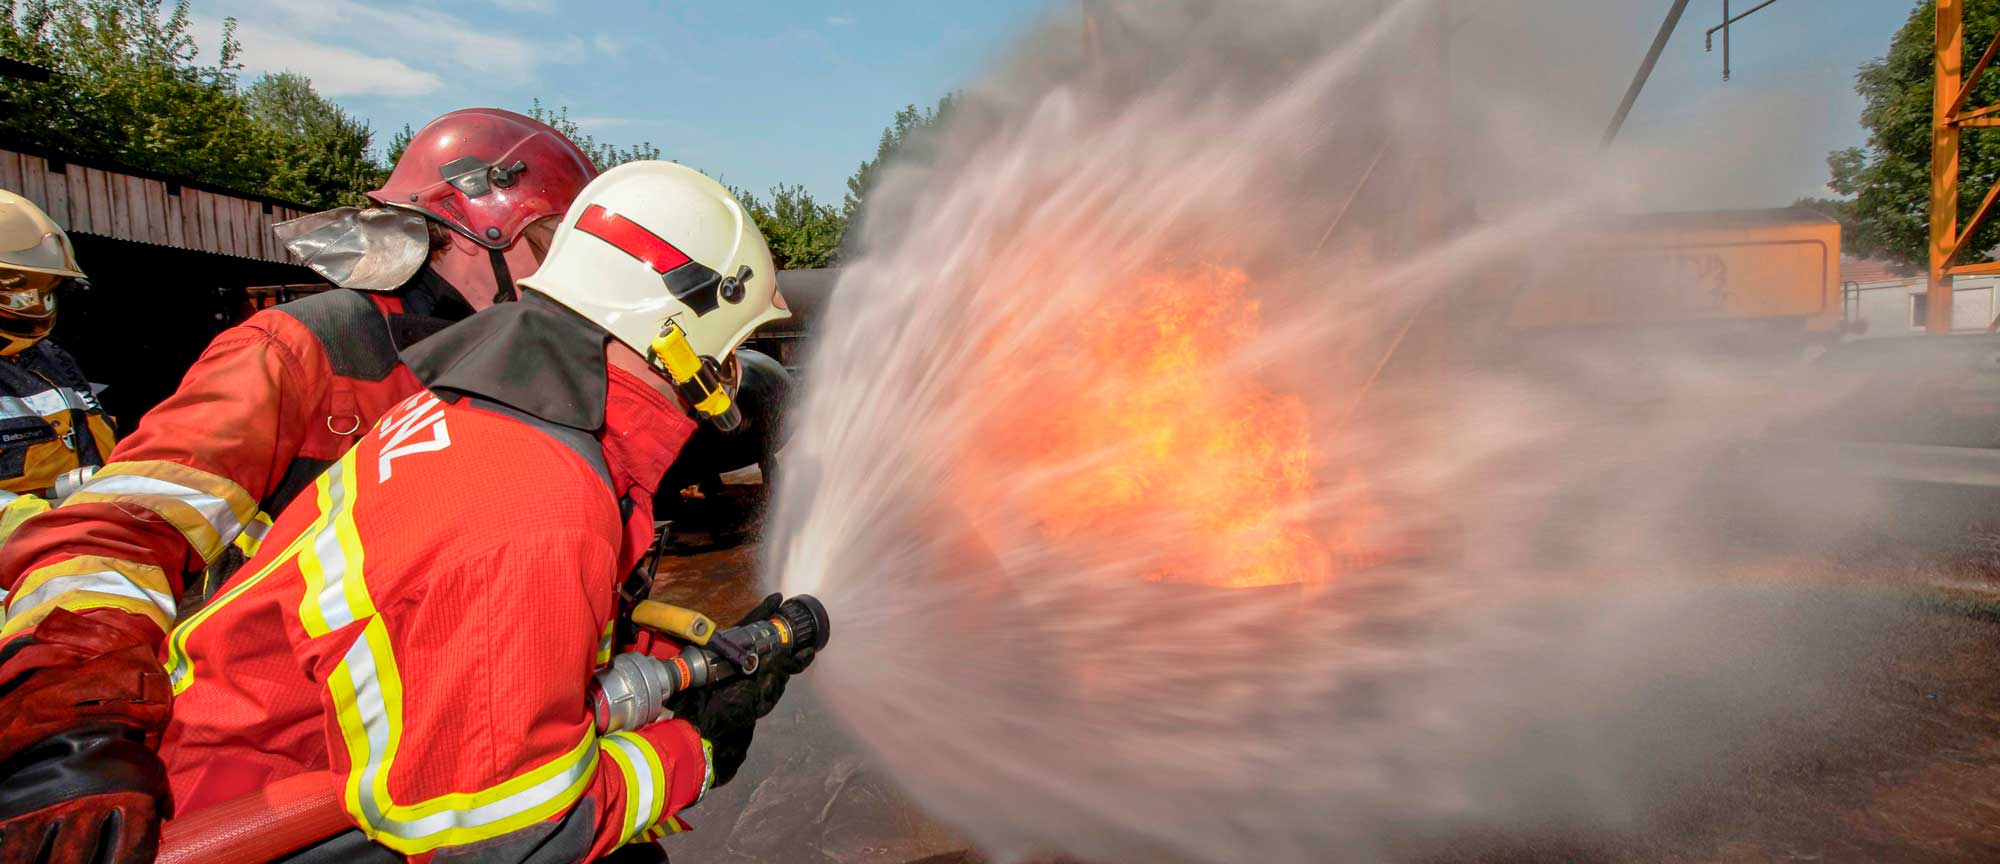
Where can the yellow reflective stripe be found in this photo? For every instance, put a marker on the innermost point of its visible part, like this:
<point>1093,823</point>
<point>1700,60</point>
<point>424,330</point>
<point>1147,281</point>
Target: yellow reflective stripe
<point>77,601</point>
<point>209,510</point>
<point>707,771</point>
<point>636,794</point>
<point>332,559</point>
<point>145,576</point>
<point>604,642</point>
<point>90,582</point>
<point>253,534</point>
<point>368,694</point>
<point>179,670</point>
<point>367,691</point>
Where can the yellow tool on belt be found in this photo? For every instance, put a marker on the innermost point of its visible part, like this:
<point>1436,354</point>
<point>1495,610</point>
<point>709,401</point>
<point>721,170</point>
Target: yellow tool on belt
<point>695,377</point>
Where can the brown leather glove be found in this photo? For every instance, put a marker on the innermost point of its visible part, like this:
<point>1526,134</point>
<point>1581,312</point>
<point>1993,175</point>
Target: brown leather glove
<point>82,703</point>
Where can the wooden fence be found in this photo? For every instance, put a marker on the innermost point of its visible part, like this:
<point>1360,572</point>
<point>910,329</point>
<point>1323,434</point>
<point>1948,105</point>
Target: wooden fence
<point>147,210</point>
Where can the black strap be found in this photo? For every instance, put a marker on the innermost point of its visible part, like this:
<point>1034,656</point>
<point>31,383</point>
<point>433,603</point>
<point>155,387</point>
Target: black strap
<point>502,277</point>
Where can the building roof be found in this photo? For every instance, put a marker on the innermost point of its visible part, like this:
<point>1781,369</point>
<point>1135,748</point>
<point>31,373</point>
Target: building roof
<point>23,70</point>
<point>1868,270</point>
<point>1723,219</point>
<point>147,208</point>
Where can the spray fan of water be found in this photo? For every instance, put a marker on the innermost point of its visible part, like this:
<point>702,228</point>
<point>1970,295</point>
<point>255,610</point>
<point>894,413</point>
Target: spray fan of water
<point>1139,552</point>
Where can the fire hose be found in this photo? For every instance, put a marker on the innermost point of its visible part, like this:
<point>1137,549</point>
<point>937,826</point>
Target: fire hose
<point>632,691</point>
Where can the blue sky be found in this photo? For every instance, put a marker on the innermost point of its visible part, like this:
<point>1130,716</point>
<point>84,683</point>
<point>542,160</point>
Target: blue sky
<point>760,92</point>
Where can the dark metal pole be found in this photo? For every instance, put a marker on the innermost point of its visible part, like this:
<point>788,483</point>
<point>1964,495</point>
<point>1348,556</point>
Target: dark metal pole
<point>1645,71</point>
<point>1725,41</point>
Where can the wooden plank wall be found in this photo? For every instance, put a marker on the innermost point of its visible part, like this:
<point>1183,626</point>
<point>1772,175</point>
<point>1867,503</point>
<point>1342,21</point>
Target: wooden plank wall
<point>125,207</point>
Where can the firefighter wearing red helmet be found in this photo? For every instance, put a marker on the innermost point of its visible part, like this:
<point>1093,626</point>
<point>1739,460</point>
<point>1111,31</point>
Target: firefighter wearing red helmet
<point>414,631</point>
<point>93,585</point>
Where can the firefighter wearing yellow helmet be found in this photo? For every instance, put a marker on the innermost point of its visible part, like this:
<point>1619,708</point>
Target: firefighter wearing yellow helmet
<point>52,428</point>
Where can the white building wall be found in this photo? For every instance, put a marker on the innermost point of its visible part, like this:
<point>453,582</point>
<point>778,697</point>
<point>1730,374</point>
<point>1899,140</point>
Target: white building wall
<point>1893,308</point>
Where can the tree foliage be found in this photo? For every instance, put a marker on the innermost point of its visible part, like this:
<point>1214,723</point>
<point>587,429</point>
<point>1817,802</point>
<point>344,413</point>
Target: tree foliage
<point>604,154</point>
<point>1888,182</point>
<point>322,152</point>
<point>803,233</point>
<point>908,125</point>
<point>129,90</point>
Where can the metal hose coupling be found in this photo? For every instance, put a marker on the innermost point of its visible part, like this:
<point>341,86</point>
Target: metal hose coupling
<point>633,690</point>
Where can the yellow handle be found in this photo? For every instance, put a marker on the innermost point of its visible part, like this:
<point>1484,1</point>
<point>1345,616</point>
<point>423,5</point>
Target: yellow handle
<point>686,625</point>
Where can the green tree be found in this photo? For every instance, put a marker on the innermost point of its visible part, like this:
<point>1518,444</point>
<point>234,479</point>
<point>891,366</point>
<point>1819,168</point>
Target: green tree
<point>908,126</point>
<point>319,153</point>
<point>1887,184</point>
<point>803,233</point>
<point>605,154</point>
<point>130,92</point>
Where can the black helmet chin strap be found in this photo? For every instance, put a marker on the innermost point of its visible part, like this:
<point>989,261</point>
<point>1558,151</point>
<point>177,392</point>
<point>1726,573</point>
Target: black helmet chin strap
<point>502,277</point>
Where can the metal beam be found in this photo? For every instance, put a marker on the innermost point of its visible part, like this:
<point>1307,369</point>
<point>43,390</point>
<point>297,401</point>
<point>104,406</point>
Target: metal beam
<point>1971,226</point>
<point>1948,61</point>
<point>1972,79</point>
<point>1984,268</point>
<point>1645,71</point>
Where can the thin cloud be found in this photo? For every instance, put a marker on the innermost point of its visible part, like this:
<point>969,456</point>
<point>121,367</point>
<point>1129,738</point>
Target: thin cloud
<point>840,20</point>
<point>335,71</point>
<point>540,7</point>
<point>431,36</point>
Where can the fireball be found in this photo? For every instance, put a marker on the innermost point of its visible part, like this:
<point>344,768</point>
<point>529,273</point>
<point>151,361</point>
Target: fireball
<point>1162,438</point>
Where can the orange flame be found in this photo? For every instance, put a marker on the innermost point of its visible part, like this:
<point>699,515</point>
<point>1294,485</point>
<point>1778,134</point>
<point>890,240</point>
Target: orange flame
<point>1160,435</point>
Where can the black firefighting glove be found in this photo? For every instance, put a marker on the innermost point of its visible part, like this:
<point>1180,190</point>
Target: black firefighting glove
<point>84,796</point>
<point>727,713</point>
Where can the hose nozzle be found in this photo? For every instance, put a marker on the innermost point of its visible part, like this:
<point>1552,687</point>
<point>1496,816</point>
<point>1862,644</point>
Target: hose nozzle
<point>633,690</point>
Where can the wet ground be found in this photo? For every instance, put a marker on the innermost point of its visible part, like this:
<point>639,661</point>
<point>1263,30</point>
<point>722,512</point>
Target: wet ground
<point>1907,770</point>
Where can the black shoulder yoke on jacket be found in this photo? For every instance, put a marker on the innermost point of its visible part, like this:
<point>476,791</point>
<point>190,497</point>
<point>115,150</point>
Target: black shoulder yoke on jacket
<point>534,356</point>
<point>350,329</point>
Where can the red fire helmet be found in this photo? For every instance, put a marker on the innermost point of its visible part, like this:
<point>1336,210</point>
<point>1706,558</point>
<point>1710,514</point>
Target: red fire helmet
<point>487,173</point>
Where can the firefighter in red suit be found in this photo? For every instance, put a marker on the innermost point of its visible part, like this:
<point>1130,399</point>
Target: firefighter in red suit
<point>93,585</point>
<point>419,628</point>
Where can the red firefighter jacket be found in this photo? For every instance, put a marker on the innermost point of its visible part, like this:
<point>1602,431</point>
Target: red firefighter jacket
<point>269,404</point>
<point>424,623</point>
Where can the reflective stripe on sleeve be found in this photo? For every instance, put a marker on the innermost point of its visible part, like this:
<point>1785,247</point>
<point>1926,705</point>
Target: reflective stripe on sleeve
<point>209,510</point>
<point>90,582</point>
<point>645,781</point>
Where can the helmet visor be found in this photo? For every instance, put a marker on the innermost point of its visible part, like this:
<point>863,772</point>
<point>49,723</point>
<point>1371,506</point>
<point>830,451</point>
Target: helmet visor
<point>28,295</point>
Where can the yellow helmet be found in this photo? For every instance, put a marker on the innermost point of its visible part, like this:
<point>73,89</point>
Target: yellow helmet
<point>35,257</point>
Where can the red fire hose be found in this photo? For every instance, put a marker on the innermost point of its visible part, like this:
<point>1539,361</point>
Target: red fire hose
<point>273,822</point>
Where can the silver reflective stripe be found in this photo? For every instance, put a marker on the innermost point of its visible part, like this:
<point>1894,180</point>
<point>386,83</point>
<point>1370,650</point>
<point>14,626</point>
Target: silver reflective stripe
<point>7,498</point>
<point>257,531</point>
<point>101,582</point>
<point>12,407</point>
<point>332,559</point>
<point>638,810</point>
<point>211,508</point>
<point>57,400</point>
<point>363,676</point>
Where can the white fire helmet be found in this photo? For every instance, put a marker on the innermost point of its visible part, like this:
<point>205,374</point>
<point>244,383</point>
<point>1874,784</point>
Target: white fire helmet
<point>668,262</point>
